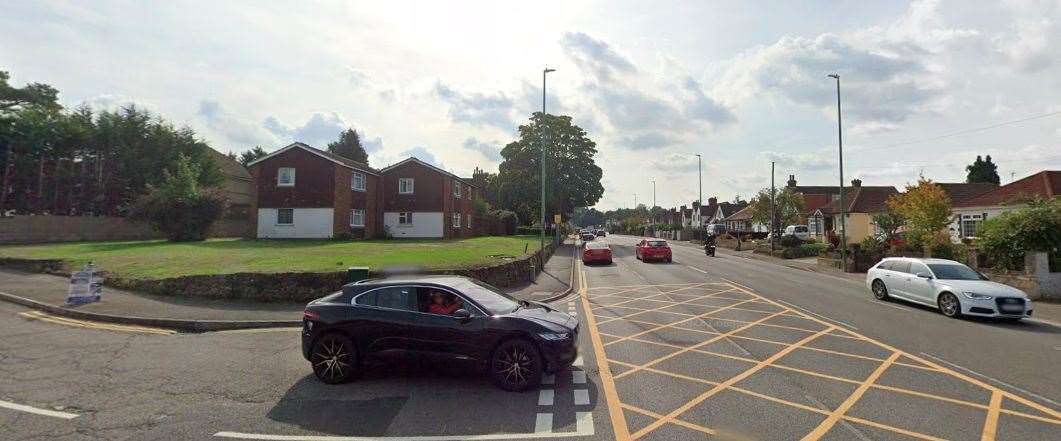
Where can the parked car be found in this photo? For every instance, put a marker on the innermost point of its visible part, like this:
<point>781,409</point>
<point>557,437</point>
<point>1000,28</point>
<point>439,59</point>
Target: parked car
<point>653,249</point>
<point>515,340</point>
<point>597,252</point>
<point>800,231</point>
<point>602,233</point>
<point>953,288</point>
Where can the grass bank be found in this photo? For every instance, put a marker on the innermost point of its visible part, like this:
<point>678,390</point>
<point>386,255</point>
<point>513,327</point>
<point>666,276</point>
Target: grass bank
<point>161,259</point>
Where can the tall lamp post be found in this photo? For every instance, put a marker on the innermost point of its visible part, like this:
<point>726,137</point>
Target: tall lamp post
<point>840,142</point>
<point>542,233</point>
<point>700,178</point>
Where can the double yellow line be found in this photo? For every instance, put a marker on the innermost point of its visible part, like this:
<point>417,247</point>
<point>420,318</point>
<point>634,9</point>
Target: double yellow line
<point>44,317</point>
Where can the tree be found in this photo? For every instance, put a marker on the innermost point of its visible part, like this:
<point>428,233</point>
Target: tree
<point>888,223</point>
<point>572,179</point>
<point>1007,238</point>
<point>585,217</point>
<point>349,146</point>
<point>927,210</point>
<point>789,210</point>
<point>179,207</point>
<point>37,95</point>
<point>982,170</point>
<point>249,156</point>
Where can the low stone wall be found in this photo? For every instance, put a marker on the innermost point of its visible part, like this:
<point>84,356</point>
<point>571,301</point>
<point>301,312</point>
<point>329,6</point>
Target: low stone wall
<point>300,286</point>
<point>46,228</point>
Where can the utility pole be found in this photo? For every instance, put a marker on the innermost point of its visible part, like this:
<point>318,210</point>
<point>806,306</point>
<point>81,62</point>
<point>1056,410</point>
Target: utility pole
<point>773,209</point>
<point>700,193</point>
<point>843,210</point>
<point>635,201</point>
<point>653,193</point>
<point>542,163</point>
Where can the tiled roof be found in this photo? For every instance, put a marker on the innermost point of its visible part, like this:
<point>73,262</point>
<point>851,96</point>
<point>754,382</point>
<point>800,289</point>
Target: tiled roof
<point>1045,184</point>
<point>744,214</point>
<point>959,192</point>
<point>863,199</point>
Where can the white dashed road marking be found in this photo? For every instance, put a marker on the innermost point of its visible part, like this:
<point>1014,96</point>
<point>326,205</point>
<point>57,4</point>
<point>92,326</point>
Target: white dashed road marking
<point>37,411</point>
<point>578,361</point>
<point>545,397</point>
<point>578,377</point>
<point>581,397</point>
<point>543,423</point>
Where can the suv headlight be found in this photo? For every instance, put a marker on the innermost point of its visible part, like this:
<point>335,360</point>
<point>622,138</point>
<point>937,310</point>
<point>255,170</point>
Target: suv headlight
<point>555,336</point>
<point>975,296</point>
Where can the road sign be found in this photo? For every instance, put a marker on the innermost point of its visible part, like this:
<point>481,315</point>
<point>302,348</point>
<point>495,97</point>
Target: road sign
<point>557,218</point>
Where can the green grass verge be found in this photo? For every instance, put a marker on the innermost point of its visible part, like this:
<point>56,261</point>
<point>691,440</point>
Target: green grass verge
<point>161,259</point>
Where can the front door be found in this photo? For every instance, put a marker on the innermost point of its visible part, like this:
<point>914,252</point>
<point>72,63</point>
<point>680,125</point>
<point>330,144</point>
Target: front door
<point>920,288</point>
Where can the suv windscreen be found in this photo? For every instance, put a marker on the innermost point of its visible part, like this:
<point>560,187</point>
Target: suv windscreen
<point>954,272</point>
<point>487,296</point>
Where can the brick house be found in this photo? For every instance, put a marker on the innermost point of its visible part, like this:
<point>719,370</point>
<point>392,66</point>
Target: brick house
<point>421,200</point>
<point>970,212</point>
<point>861,203</point>
<point>306,193</point>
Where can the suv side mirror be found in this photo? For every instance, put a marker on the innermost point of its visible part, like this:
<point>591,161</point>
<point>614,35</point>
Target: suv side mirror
<point>924,275</point>
<point>462,314</point>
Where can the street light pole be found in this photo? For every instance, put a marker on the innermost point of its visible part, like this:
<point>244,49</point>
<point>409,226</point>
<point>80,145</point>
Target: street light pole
<point>700,192</point>
<point>653,193</point>
<point>840,143</point>
<point>542,232</point>
<point>773,208</point>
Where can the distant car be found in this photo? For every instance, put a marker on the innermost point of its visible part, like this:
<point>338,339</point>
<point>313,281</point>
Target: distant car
<point>653,249</point>
<point>800,231</point>
<point>602,233</point>
<point>587,236</point>
<point>597,252</point>
<point>516,340</point>
<point>953,288</point>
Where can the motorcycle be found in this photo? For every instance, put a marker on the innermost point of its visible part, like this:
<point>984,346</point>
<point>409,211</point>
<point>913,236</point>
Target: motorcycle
<point>709,248</point>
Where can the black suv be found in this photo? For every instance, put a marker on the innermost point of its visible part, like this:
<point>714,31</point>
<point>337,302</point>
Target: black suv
<point>453,316</point>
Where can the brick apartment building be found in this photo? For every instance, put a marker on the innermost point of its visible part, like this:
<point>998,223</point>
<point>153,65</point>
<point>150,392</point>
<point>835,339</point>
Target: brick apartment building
<point>304,192</point>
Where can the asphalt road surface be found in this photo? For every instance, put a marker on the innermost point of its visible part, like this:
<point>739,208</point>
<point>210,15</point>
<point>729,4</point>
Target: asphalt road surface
<point>723,347</point>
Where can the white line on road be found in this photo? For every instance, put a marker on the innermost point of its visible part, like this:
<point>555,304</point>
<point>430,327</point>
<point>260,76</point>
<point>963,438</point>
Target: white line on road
<point>696,269</point>
<point>543,423</point>
<point>1043,322</point>
<point>38,411</point>
<point>583,427</point>
<point>581,397</point>
<point>972,372</point>
<point>584,423</point>
<point>816,314</point>
<point>578,377</point>
<point>577,362</point>
<point>545,397</point>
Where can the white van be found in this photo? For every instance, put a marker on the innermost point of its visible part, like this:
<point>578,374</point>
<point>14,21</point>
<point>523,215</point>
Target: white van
<point>800,231</point>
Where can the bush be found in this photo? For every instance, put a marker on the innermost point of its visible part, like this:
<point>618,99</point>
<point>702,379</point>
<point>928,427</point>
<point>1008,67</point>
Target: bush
<point>804,250</point>
<point>871,244</point>
<point>178,207</point>
<point>525,230</point>
<point>1007,238</point>
<point>791,241</point>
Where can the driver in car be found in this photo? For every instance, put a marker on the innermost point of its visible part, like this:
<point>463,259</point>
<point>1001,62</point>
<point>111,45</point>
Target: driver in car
<point>439,305</point>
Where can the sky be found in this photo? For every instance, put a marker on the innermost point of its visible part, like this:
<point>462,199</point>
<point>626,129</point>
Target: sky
<point>926,86</point>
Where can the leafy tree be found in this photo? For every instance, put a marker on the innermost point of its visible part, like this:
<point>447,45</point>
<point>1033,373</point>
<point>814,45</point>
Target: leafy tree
<point>587,216</point>
<point>249,156</point>
<point>789,211</point>
<point>927,210</point>
<point>1008,237</point>
<point>37,95</point>
<point>179,207</point>
<point>487,183</point>
<point>982,170</point>
<point>349,146</point>
<point>572,178</point>
<point>888,223</point>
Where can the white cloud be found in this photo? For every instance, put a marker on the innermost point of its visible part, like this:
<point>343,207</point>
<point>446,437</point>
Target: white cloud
<point>235,130</point>
<point>489,150</point>
<point>801,161</point>
<point>477,109</point>
<point>320,129</point>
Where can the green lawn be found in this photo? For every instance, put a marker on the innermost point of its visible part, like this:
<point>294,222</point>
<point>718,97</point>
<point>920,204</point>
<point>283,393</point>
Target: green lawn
<point>161,259</point>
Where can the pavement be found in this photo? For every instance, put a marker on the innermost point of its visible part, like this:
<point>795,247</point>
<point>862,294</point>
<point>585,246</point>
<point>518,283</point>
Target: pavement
<point>701,348</point>
<point>48,293</point>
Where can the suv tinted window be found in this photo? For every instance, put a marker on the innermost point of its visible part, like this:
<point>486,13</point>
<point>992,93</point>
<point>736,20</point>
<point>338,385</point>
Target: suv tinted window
<point>395,297</point>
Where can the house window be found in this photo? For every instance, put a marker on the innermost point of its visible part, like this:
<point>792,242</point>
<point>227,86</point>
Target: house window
<point>405,218</point>
<point>456,220</point>
<point>357,181</point>
<point>970,225</point>
<point>285,177</point>
<point>405,185</point>
<point>285,216</point>
<point>357,218</point>
<point>456,189</point>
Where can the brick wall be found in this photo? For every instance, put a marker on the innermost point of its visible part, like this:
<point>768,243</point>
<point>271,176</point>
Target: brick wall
<point>42,229</point>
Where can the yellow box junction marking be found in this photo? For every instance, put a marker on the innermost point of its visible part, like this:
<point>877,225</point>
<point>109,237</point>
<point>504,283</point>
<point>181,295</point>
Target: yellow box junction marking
<point>631,314</point>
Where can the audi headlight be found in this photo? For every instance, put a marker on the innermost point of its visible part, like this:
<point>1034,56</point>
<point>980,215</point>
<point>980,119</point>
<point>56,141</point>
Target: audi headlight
<point>975,296</point>
<point>555,336</point>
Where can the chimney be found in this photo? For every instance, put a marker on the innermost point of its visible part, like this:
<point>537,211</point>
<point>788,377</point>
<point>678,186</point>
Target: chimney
<point>856,182</point>
<point>791,181</point>
<point>712,201</point>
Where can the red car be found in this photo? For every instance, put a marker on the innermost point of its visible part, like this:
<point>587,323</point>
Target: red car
<point>653,249</point>
<point>597,252</point>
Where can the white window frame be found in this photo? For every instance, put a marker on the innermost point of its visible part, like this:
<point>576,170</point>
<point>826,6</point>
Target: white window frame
<point>354,212</point>
<point>278,210</point>
<point>280,173</point>
<point>408,183</point>
<point>405,218</point>
<point>354,181</point>
<point>975,221</point>
<point>456,220</point>
<point>456,189</point>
